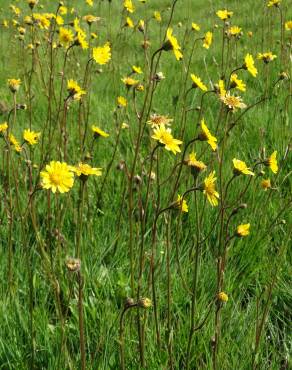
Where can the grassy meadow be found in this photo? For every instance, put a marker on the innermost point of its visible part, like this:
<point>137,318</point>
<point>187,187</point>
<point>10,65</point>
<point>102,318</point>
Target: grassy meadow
<point>145,184</point>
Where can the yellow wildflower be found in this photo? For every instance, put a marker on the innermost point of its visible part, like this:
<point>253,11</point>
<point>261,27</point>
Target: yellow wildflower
<point>98,131</point>
<point>240,167</point>
<point>157,16</point>
<point>266,184</point>
<point>232,102</point>
<point>195,27</point>
<point>206,135</point>
<point>122,102</point>
<point>65,36</point>
<point>128,5</point>
<point>267,57</point>
<point>159,119</point>
<point>242,230</point>
<point>84,170</point>
<point>172,44</point>
<point>288,25</point>
<point>249,65</point>
<point>137,70</point>
<point>272,162</point>
<point>3,127</point>
<point>181,204</point>
<point>194,163</point>
<point>102,54</point>
<point>198,83</point>
<point>164,136</point>
<point>14,84</point>
<point>209,189</point>
<point>75,90</point>
<point>129,82</point>
<point>58,177</point>
<point>275,3</point>
<point>129,23</point>
<point>224,14</point>
<point>237,83</point>
<point>31,137</point>
<point>208,40</point>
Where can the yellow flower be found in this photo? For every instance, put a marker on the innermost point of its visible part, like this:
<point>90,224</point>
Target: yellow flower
<point>98,132</point>
<point>144,303</point>
<point>129,23</point>
<point>80,40</point>
<point>129,82</point>
<point>58,176</point>
<point>136,69</point>
<point>164,136</point>
<point>198,83</point>
<point>195,27</point>
<point>206,135</point>
<point>221,87</point>
<point>157,16</point>
<point>141,25</point>
<point>31,137</point>
<point>128,5</point>
<point>242,230</point>
<point>102,54</point>
<point>240,167</point>
<point>159,119</point>
<point>249,65</point>
<point>181,204</point>
<point>272,162</point>
<point>222,297</point>
<point>14,84</point>
<point>63,10</point>
<point>224,14</point>
<point>237,83</point>
<point>65,36</point>
<point>274,3</point>
<point>42,21</point>
<point>75,90</point>
<point>59,20</point>
<point>208,40</point>
<point>194,163</point>
<point>90,19</point>
<point>288,25</point>
<point>232,102</point>
<point>266,184</point>
<point>89,2</point>
<point>3,127</point>
<point>122,102</point>
<point>267,57</point>
<point>234,31</point>
<point>209,189</point>
<point>84,170</point>
<point>5,23</point>
<point>172,44</point>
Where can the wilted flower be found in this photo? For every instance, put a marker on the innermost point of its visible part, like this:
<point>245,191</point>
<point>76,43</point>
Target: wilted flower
<point>233,102</point>
<point>158,119</point>
<point>73,264</point>
<point>222,297</point>
<point>144,303</point>
<point>266,184</point>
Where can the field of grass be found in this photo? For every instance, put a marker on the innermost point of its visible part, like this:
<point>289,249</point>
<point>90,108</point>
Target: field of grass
<point>115,272</point>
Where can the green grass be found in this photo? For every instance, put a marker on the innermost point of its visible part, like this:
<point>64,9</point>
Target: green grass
<point>252,262</point>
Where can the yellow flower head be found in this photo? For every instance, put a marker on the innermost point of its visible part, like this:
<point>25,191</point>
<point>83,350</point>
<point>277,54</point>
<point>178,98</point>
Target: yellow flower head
<point>75,90</point>
<point>181,204</point>
<point>242,230</point>
<point>141,25</point>
<point>32,3</point>
<point>272,162</point>
<point>122,102</point>
<point>31,137</point>
<point>275,3</point>
<point>58,177</point>
<point>128,5</point>
<point>98,132</point>
<point>208,40</point>
<point>232,102</point>
<point>237,83</point>
<point>80,40</point>
<point>164,136</point>
<point>129,23</point>
<point>288,25</point>
<point>209,189</point>
<point>144,303</point>
<point>195,27</point>
<point>266,184</point>
<point>234,31</point>
<point>267,57</point>
<point>137,70</point>
<point>159,119</point>
<point>90,19</point>
<point>102,54</point>
<point>172,44</point>
<point>249,65</point>
<point>222,297</point>
<point>157,16</point>
<point>89,2</point>
<point>84,170</point>
<point>240,168</point>
<point>14,84</point>
<point>221,88</point>
<point>65,36</point>
<point>206,135</point>
<point>224,14</point>
<point>129,82</point>
<point>3,127</point>
<point>194,163</point>
<point>198,83</point>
